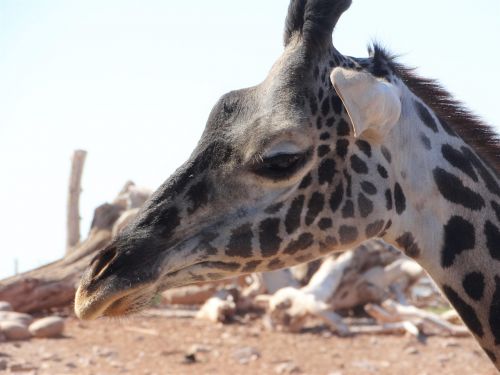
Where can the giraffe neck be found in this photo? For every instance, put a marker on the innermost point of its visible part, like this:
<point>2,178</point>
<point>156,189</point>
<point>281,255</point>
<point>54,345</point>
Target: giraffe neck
<point>448,217</point>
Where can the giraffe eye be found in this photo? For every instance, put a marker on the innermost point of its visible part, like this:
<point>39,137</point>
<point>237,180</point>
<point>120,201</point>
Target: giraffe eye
<point>281,166</point>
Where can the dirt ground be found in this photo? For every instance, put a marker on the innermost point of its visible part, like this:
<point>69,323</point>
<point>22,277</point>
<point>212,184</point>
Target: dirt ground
<point>158,345</point>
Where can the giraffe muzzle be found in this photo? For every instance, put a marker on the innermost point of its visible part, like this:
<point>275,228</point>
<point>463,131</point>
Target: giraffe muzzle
<point>115,283</point>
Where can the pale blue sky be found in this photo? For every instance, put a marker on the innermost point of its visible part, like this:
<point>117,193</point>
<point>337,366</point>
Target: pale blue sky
<point>132,82</point>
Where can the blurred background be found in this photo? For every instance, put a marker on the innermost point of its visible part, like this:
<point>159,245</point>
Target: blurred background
<point>133,82</point>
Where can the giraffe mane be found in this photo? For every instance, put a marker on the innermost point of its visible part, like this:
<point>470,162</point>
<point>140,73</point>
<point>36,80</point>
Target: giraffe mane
<point>470,127</point>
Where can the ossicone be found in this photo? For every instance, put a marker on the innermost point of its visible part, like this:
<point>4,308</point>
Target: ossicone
<point>314,21</point>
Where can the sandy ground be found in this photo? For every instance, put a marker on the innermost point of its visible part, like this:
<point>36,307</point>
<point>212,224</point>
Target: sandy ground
<point>153,345</point>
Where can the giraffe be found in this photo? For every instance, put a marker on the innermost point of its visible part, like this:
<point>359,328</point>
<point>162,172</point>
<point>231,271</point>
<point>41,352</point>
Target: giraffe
<point>327,152</point>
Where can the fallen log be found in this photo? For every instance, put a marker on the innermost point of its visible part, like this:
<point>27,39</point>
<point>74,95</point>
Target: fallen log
<point>198,294</point>
<point>219,308</point>
<point>428,322</point>
<point>189,295</point>
<point>354,278</point>
<point>426,317</point>
<point>54,284</point>
<point>73,218</point>
<point>387,328</point>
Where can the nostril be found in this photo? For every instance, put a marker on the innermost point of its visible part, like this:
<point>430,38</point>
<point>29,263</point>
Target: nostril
<point>102,261</point>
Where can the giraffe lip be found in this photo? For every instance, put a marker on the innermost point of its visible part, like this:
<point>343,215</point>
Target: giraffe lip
<point>116,298</point>
<point>113,297</point>
<point>111,301</point>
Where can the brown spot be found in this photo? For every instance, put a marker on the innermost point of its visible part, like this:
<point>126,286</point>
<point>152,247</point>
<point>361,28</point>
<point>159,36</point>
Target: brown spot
<point>348,234</point>
<point>373,229</point>
<point>303,242</point>
<point>304,258</point>
<point>408,244</point>
<point>275,264</point>
<point>251,266</point>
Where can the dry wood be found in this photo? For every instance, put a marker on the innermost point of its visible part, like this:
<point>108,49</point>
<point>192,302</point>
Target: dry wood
<point>428,318</point>
<point>219,308</point>
<point>73,218</point>
<point>275,280</point>
<point>387,328</point>
<point>190,295</point>
<point>304,272</point>
<point>451,316</point>
<point>125,219</point>
<point>334,322</point>
<point>54,284</point>
<point>172,313</point>
<point>142,331</point>
<point>263,285</point>
<point>356,277</point>
<point>392,312</point>
<point>380,314</point>
<point>376,283</point>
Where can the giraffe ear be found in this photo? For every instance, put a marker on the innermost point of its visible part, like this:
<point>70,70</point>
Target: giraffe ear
<point>372,104</point>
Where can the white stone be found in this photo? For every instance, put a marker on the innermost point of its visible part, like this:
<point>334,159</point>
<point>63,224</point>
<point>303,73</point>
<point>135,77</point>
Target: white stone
<point>246,354</point>
<point>5,306</point>
<point>14,330</point>
<point>287,368</point>
<point>11,316</point>
<point>51,326</point>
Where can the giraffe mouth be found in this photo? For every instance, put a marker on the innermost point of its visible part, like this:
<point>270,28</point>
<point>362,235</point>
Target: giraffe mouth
<point>113,300</point>
<point>110,303</point>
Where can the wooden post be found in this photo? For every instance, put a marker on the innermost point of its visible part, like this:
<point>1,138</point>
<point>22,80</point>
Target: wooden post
<point>73,218</point>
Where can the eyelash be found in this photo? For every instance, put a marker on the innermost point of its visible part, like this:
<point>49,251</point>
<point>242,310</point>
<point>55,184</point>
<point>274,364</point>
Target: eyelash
<point>280,166</point>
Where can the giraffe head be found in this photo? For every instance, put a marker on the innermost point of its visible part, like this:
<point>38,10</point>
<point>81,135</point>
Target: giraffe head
<point>283,174</point>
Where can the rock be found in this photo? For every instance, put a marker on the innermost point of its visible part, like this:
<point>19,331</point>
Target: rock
<point>451,344</point>
<point>45,365</point>
<point>14,330</point>
<point>52,326</point>
<point>444,358</point>
<point>246,354</point>
<point>411,350</point>
<point>368,366</point>
<point>86,362</point>
<point>287,368</point>
<point>50,357</point>
<point>189,359</point>
<point>117,365</point>
<point>219,308</point>
<point>104,352</point>
<point>196,348</point>
<point>11,316</point>
<point>5,306</point>
<point>22,367</point>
